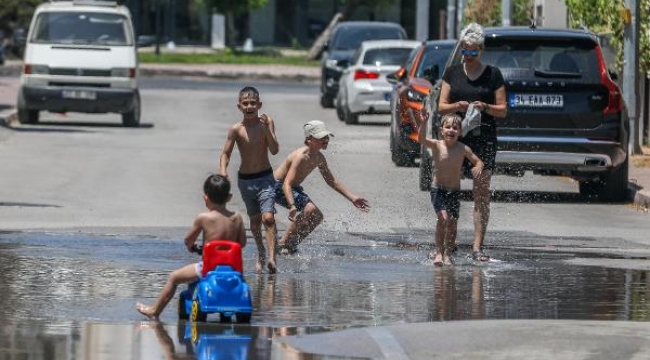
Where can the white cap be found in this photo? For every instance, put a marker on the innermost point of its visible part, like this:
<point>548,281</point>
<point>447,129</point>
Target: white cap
<point>316,129</point>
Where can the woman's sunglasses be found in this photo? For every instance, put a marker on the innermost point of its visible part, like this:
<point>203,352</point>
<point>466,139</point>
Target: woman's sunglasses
<point>466,52</point>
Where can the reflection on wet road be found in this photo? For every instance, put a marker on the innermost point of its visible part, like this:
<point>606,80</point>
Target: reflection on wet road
<point>67,295</point>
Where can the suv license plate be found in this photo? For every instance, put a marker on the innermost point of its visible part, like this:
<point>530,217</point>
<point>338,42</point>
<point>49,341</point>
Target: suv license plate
<point>537,100</point>
<point>79,94</point>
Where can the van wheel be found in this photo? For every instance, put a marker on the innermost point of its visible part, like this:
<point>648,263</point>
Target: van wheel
<point>132,118</point>
<point>25,116</point>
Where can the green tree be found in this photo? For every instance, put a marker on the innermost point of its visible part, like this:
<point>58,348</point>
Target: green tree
<point>16,14</point>
<point>488,12</point>
<point>604,17</point>
<point>230,9</point>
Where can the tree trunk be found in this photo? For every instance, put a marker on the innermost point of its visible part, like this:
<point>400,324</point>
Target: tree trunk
<point>318,46</point>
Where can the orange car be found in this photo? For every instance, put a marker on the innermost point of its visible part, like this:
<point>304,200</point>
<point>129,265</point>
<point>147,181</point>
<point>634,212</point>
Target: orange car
<point>412,84</point>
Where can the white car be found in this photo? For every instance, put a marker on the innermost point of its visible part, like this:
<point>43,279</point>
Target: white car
<point>80,56</point>
<point>363,87</point>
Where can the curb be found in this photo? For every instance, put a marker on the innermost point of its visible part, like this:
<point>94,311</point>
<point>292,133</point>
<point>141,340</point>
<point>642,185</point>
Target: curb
<point>228,75</point>
<point>7,117</point>
<point>639,197</point>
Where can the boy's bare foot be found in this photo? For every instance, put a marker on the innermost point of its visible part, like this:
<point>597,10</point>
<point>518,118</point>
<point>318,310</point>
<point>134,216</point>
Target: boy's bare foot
<point>146,311</point>
<point>261,260</point>
<point>437,259</point>
<point>272,268</point>
<point>446,260</point>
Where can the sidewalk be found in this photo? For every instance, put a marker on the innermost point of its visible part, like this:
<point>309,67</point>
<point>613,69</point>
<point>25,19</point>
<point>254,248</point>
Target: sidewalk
<point>638,187</point>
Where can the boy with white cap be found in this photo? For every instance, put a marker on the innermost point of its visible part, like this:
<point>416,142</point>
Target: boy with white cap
<point>303,213</point>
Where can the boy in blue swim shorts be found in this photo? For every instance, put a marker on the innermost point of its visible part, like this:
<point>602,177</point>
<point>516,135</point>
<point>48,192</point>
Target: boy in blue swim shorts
<point>255,138</point>
<point>218,223</point>
<point>448,156</point>
<point>304,215</point>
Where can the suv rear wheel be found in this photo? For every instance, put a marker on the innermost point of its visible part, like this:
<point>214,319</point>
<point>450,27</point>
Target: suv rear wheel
<point>610,187</point>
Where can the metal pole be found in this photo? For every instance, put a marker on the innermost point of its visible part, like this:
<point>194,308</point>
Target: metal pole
<point>631,71</point>
<point>460,12</point>
<point>505,12</point>
<point>422,20</point>
<point>451,16</point>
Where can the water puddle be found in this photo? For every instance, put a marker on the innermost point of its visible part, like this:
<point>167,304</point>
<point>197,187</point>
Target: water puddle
<point>68,295</point>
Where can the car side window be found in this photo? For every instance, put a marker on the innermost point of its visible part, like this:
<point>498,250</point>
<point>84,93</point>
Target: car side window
<point>411,57</point>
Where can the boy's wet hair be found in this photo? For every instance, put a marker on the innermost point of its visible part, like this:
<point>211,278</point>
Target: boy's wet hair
<point>250,91</point>
<point>454,118</point>
<point>217,188</point>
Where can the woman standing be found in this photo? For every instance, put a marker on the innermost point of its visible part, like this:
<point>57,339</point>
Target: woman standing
<point>474,82</point>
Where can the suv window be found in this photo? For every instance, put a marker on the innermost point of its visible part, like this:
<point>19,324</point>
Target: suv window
<point>431,57</point>
<point>87,28</point>
<point>351,38</point>
<point>386,56</point>
<point>546,57</point>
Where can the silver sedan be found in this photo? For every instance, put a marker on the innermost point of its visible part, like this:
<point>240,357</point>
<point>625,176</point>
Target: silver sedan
<point>363,88</point>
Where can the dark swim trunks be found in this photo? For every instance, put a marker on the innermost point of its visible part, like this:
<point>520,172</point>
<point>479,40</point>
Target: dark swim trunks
<point>445,199</point>
<point>299,197</point>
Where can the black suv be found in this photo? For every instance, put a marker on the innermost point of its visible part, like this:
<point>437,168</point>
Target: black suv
<point>341,45</point>
<point>566,115</point>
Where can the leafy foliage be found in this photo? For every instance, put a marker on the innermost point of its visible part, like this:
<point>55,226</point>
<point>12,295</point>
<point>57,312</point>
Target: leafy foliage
<point>603,16</point>
<point>16,13</point>
<point>488,12</point>
<point>235,7</point>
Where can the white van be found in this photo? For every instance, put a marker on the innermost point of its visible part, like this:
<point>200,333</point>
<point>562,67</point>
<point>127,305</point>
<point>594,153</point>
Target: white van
<point>80,56</point>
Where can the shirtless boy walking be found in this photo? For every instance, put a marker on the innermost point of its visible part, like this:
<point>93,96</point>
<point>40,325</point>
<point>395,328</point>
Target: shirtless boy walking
<point>255,137</point>
<point>448,155</point>
<point>303,213</point>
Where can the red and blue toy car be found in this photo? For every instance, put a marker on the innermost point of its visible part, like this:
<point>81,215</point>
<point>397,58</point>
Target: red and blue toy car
<point>221,289</point>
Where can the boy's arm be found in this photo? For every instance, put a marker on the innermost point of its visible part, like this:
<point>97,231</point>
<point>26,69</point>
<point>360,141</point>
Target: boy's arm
<point>224,160</point>
<point>422,133</point>
<point>269,132</point>
<point>477,169</point>
<point>288,183</point>
<point>242,232</point>
<point>193,234</point>
<point>357,201</point>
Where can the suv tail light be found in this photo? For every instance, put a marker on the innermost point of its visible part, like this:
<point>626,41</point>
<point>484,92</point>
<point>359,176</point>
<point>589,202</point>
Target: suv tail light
<point>615,102</point>
<point>363,74</point>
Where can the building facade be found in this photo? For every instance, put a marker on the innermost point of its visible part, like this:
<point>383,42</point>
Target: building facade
<point>294,23</point>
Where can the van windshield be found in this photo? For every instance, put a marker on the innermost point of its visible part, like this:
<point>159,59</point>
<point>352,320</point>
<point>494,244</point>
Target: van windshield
<point>82,28</point>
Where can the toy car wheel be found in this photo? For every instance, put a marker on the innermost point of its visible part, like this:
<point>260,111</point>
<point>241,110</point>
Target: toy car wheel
<point>243,317</point>
<point>197,314</point>
<point>182,314</point>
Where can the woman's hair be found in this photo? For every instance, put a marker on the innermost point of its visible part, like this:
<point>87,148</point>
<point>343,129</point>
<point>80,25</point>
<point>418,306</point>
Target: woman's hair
<point>453,118</point>
<point>473,34</point>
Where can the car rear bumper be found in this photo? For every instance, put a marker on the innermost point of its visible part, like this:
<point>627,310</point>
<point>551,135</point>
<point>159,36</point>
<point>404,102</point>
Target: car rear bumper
<point>583,162</point>
<point>106,100</point>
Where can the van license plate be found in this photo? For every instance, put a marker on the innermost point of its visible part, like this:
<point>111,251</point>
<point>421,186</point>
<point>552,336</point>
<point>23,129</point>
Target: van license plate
<point>79,94</point>
<point>536,100</point>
